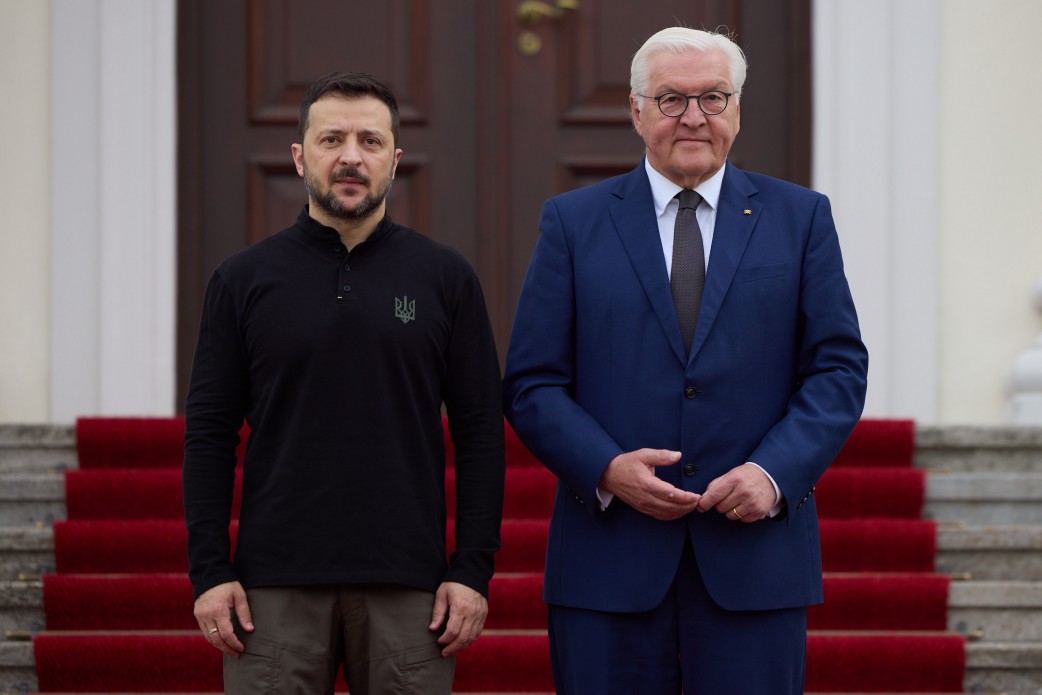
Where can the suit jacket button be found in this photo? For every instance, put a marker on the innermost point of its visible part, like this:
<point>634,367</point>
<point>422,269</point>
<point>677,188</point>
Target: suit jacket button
<point>690,392</point>
<point>689,469</point>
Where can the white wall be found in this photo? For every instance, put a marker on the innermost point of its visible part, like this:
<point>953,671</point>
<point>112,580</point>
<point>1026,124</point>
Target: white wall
<point>935,199</point>
<point>25,194</point>
<point>990,183</point>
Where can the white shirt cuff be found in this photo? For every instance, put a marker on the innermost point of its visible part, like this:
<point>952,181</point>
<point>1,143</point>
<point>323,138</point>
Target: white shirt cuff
<point>778,499</point>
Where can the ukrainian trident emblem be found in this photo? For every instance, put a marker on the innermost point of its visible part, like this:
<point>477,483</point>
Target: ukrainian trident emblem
<point>404,309</point>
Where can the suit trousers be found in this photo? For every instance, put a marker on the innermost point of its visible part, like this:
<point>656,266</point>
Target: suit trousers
<point>687,644</point>
<point>303,634</point>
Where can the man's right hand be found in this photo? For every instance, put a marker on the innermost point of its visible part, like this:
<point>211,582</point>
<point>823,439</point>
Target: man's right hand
<point>213,610</point>
<point>631,478</point>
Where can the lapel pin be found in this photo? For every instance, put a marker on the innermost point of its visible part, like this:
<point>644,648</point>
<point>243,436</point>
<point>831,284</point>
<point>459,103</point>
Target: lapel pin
<point>747,212</point>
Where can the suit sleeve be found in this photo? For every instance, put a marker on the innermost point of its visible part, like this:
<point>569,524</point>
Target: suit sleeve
<point>540,371</point>
<point>831,371</point>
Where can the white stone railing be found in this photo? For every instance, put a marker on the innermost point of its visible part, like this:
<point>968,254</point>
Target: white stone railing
<point>1025,403</point>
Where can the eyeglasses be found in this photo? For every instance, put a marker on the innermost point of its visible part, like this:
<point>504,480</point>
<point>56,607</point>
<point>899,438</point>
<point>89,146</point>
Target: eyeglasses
<point>674,105</point>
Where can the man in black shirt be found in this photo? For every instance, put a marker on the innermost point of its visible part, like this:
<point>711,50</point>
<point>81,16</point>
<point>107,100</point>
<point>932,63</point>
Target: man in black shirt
<point>339,340</point>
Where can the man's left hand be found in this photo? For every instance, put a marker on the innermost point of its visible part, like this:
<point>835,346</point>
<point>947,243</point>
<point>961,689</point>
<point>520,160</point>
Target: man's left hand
<point>465,611</point>
<point>742,494</point>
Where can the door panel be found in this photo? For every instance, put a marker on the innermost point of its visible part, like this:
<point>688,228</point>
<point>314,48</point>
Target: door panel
<point>497,115</point>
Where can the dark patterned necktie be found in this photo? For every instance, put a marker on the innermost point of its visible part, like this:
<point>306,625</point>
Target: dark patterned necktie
<point>687,278</point>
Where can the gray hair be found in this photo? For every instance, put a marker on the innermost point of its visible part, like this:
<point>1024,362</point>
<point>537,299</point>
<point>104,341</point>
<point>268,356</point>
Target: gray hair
<point>678,40</point>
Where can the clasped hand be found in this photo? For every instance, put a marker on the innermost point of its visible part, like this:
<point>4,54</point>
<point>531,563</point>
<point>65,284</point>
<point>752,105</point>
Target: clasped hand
<point>631,477</point>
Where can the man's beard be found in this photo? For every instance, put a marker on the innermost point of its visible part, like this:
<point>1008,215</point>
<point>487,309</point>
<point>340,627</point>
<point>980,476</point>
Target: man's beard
<point>332,205</point>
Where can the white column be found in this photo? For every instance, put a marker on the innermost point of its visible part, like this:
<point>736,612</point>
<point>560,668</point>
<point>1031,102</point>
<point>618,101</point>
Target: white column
<point>25,246</point>
<point>875,152</point>
<point>113,209</point>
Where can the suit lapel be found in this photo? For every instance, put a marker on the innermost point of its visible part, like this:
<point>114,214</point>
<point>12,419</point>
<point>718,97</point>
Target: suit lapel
<point>633,212</point>
<point>736,216</point>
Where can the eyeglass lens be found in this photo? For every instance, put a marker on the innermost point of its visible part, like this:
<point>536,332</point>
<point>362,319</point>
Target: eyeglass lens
<point>711,103</point>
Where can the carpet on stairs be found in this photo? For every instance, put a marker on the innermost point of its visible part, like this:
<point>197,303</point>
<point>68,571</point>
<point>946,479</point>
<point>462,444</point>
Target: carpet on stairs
<point>515,660</point>
<point>155,493</point>
<point>854,601</point>
<point>149,545</point>
<point>119,614</point>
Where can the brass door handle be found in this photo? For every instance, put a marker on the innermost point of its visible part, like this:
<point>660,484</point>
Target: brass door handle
<point>533,11</point>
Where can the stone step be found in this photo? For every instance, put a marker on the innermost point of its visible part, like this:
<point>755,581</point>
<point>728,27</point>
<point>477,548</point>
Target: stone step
<point>990,611</point>
<point>26,551</point>
<point>978,499</point>
<point>1008,553</point>
<point>38,448</point>
<point>990,668</point>
<point>994,498</point>
<point>981,552</point>
<point>17,668</point>
<point>29,498</point>
<point>979,449</point>
<point>21,607</point>
<point>1009,668</point>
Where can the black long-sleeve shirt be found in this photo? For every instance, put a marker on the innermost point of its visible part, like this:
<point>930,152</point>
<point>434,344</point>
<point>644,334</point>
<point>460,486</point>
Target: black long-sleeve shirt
<point>340,363</point>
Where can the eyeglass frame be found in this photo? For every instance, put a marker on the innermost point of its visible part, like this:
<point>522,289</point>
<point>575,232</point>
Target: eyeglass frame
<point>687,101</point>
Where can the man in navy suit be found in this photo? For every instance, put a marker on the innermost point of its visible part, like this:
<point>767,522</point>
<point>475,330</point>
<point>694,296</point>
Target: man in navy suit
<point>687,425</point>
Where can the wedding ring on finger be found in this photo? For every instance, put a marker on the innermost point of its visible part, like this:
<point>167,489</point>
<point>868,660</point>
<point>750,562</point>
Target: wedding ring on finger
<point>213,630</point>
<point>736,514</point>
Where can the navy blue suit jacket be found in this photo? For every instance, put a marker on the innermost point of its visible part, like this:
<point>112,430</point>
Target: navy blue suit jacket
<point>596,367</point>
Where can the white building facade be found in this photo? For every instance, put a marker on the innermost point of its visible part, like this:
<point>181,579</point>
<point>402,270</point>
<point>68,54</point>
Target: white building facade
<point>926,139</point>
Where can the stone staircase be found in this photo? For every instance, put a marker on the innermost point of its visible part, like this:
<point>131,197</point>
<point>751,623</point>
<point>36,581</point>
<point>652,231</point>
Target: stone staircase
<point>984,488</point>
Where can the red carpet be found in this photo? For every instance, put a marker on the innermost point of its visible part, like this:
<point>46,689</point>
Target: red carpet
<point>119,608</point>
<point>155,493</point>
<point>879,443</point>
<point>871,493</point>
<point>892,662</point>
<point>137,662</point>
<point>122,546</point>
<point>157,602</point>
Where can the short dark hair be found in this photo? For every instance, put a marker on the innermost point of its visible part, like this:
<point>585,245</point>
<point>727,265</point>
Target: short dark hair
<point>350,85</point>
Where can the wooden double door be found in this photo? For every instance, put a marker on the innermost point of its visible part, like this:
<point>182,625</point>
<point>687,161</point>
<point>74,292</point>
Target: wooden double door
<point>503,103</point>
